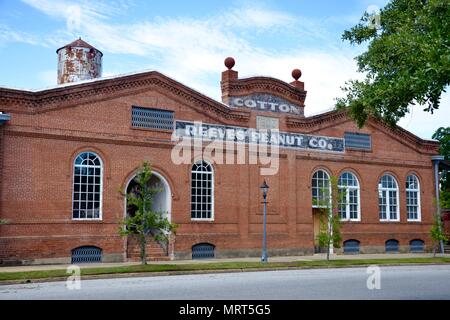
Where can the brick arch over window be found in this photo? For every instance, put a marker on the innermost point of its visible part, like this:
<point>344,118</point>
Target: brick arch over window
<point>355,172</point>
<point>105,159</point>
<point>320,167</point>
<point>217,173</point>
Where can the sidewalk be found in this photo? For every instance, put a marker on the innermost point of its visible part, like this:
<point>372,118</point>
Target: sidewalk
<point>248,259</point>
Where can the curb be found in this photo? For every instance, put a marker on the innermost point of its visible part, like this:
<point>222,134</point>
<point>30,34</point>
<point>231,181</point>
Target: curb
<point>195,272</point>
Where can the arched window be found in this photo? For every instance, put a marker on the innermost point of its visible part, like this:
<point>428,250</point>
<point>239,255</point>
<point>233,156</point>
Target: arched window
<point>388,198</point>
<point>412,198</point>
<point>321,189</point>
<point>87,186</point>
<point>202,191</point>
<point>349,207</point>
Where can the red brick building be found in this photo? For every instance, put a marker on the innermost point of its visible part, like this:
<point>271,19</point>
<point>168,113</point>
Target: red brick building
<point>66,151</point>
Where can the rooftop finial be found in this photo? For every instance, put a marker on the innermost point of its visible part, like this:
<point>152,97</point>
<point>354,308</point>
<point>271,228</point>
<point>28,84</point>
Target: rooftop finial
<point>229,63</point>
<point>296,74</point>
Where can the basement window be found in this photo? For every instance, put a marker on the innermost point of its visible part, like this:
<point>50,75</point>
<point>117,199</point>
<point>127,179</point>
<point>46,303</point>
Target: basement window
<point>150,118</point>
<point>86,254</point>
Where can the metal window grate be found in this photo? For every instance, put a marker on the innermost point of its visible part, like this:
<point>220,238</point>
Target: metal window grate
<point>87,254</point>
<point>351,247</point>
<point>416,245</point>
<point>392,246</point>
<point>203,251</point>
<point>151,118</point>
<point>356,140</point>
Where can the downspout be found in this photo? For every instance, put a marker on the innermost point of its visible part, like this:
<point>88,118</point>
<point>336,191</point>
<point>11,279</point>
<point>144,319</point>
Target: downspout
<point>4,117</point>
<point>436,160</point>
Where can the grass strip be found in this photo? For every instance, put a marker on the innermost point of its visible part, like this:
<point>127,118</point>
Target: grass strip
<point>155,268</point>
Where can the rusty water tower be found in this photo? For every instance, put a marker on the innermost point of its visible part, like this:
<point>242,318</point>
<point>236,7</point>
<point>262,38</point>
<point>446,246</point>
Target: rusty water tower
<point>78,61</point>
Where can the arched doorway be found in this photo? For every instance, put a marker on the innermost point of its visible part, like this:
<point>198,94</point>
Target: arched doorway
<point>161,202</point>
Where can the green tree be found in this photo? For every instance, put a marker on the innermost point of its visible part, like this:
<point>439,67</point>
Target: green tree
<point>329,221</point>
<point>3,221</point>
<point>437,233</point>
<point>443,136</point>
<point>145,222</point>
<point>407,61</point>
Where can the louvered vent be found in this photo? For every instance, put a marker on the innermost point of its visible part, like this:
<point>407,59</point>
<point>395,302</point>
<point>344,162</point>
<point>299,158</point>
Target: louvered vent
<point>356,140</point>
<point>150,118</point>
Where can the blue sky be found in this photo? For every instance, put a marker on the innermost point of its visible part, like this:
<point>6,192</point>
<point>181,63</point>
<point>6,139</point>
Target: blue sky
<point>188,41</point>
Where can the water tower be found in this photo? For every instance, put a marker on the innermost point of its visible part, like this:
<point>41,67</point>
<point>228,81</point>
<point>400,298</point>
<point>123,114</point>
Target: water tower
<point>78,61</point>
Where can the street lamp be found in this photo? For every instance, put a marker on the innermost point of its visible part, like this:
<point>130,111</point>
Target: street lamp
<point>264,187</point>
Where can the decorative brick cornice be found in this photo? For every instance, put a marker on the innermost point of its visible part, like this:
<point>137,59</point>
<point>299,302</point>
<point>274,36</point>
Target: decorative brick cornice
<point>404,136</point>
<point>264,85</point>
<point>315,122</point>
<point>331,118</point>
<point>23,101</point>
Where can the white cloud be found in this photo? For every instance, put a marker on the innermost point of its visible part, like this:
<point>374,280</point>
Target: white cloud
<point>9,35</point>
<point>254,17</point>
<point>423,123</point>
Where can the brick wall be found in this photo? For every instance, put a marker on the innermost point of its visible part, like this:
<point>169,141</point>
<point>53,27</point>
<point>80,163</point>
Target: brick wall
<point>39,148</point>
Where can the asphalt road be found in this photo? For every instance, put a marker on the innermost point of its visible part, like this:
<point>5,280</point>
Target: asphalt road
<point>405,282</point>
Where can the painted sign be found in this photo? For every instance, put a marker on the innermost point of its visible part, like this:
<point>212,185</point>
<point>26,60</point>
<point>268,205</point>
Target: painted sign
<point>267,123</point>
<point>255,136</point>
<point>266,102</point>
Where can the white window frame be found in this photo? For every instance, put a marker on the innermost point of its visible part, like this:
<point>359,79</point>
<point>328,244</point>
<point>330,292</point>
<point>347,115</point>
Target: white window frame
<point>417,191</point>
<point>347,198</point>
<point>386,189</point>
<point>101,186</point>
<point>212,190</point>
<point>318,190</point>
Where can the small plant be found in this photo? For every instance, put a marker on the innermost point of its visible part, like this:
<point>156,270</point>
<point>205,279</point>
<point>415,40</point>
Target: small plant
<point>437,233</point>
<point>145,221</point>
